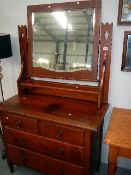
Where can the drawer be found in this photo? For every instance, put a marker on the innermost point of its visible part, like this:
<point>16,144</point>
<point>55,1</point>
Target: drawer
<point>65,134</point>
<point>50,147</point>
<point>20,123</point>
<point>42,163</point>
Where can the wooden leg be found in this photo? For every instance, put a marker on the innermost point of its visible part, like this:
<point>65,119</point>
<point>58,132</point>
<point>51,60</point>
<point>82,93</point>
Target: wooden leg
<point>112,160</point>
<point>3,146</point>
<point>11,165</point>
<point>100,146</point>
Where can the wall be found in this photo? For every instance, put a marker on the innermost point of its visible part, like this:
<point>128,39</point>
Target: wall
<point>13,12</point>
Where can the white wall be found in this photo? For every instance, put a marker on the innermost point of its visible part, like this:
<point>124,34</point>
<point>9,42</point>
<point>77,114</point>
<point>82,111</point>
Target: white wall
<point>13,13</point>
<point>120,82</point>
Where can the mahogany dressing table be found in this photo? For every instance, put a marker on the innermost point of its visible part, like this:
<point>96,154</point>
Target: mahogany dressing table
<point>56,127</point>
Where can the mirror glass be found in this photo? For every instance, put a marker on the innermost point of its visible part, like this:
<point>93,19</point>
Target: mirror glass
<point>128,52</point>
<point>63,40</point>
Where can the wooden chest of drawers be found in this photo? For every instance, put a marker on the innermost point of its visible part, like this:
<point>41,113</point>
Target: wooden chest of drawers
<point>62,146</point>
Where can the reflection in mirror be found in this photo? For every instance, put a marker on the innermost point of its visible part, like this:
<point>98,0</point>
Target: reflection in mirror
<point>63,40</point>
<point>128,53</point>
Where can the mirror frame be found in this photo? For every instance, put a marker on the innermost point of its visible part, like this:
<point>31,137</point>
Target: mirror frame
<point>124,68</point>
<point>76,75</point>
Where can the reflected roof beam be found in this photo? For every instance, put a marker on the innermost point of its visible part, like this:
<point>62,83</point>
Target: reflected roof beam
<point>43,27</point>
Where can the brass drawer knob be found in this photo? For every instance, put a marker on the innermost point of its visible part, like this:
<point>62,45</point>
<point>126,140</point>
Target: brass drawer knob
<point>60,132</point>
<point>61,151</point>
<point>19,124</point>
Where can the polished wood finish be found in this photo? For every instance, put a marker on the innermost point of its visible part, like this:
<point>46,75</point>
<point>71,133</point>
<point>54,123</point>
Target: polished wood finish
<point>124,54</point>
<point>56,128</point>
<point>105,60</point>
<point>20,123</point>
<point>97,93</point>
<point>48,146</point>
<point>62,133</point>
<point>65,111</point>
<point>59,128</point>
<point>42,163</point>
<point>23,41</point>
<point>77,75</point>
<point>76,91</point>
<point>118,137</point>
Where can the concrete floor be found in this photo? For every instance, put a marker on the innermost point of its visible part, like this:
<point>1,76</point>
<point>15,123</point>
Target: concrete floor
<point>4,170</point>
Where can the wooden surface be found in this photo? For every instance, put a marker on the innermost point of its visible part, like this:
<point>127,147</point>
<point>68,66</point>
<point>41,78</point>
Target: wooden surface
<point>58,135</point>
<point>55,130</point>
<point>118,137</point>
<point>119,129</point>
<point>66,111</point>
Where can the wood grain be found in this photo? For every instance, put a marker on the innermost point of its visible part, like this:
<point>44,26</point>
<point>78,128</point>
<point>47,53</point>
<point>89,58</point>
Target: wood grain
<point>119,132</point>
<point>68,112</point>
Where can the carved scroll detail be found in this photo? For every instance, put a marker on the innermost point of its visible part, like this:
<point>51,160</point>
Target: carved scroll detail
<point>105,59</point>
<point>22,31</point>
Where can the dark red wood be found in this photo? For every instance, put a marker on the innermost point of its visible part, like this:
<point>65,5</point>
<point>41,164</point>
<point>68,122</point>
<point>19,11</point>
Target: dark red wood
<point>56,128</point>
<point>55,123</point>
<point>105,58</point>
<point>75,91</point>
<point>61,133</point>
<point>20,123</point>
<point>65,111</point>
<point>42,163</point>
<point>50,147</point>
<point>22,31</point>
<point>98,93</point>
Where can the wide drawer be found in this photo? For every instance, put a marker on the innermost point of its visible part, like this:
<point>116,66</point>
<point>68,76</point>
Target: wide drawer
<point>66,134</point>
<point>42,163</point>
<point>50,147</point>
<point>20,123</point>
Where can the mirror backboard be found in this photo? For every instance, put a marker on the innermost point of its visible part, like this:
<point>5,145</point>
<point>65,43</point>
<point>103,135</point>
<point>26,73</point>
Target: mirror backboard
<point>63,40</point>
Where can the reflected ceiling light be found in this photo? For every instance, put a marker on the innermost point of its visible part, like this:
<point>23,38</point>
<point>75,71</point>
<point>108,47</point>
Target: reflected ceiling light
<point>33,19</point>
<point>94,19</point>
<point>62,19</point>
<point>81,65</point>
<point>34,29</point>
<point>42,61</point>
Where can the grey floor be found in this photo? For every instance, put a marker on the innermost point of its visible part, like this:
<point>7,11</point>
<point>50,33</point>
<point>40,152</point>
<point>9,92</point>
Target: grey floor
<point>4,170</point>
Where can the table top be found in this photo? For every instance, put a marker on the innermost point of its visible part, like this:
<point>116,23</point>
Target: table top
<point>77,113</point>
<point>119,128</point>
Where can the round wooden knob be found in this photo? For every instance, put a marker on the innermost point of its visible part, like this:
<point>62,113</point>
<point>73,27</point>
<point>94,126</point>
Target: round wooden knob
<point>19,124</point>
<point>60,132</point>
<point>61,151</point>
